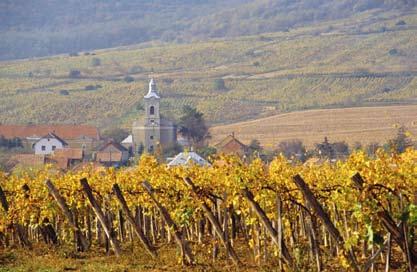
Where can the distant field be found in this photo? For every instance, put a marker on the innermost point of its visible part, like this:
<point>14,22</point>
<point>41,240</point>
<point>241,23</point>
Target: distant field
<point>360,61</point>
<point>364,125</point>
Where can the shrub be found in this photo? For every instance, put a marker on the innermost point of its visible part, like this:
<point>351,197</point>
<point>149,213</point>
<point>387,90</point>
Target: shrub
<point>219,84</point>
<point>128,79</point>
<point>168,80</point>
<point>401,23</point>
<point>393,52</point>
<point>75,73</point>
<point>92,87</point>
<point>135,69</point>
<point>95,62</point>
<point>63,92</point>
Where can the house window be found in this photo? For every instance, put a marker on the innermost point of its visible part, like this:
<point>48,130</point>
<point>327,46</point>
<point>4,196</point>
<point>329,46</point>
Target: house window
<point>152,110</point>
<point>151,137</point>
<point>43,148</point>
<point>53,147</point>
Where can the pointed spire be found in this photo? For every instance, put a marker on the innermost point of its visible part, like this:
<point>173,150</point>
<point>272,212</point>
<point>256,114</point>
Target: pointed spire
<point>152,90</point>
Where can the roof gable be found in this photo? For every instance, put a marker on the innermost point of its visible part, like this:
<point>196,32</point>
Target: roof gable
<point>185,158</point>
<point>229,141</point>
<point>53,136</point>
<point>109,146</point>
<point>67,132</point>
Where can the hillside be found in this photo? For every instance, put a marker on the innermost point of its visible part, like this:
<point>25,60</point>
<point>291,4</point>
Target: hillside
<point>366,60</point>
<point>47,27</point>
<point>364,125</point>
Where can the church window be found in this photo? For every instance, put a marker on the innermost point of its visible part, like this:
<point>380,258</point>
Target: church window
<point>152,110</point>
<point>151,137</point>
<point>53,147</point>
<point>151,148</point>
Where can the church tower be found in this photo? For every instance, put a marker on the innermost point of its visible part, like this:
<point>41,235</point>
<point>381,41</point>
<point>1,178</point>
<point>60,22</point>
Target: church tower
<point>151,129</point>
<point>152,118</point>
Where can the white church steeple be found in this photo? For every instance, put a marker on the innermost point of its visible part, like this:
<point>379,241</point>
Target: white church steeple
<point>152,93</point>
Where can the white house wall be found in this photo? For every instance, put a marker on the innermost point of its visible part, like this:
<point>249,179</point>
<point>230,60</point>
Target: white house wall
<point>48,146</point>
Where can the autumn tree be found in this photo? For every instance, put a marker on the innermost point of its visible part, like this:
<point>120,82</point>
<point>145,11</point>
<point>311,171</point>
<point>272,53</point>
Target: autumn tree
<point>193,126</point>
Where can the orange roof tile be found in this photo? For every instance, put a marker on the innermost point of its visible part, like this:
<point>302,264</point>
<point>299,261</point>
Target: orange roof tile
<point>69,153</point>
<point>231,145</point>
<point>28,159</point>
<point>64,131</point>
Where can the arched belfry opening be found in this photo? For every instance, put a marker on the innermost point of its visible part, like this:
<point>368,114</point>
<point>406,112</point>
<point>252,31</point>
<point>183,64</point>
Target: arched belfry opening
<point>152,110</point>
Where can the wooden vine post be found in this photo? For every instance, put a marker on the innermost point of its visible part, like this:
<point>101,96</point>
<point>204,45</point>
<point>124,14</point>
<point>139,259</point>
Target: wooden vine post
<point>215,223</point>
<point>178,235</point>
<point>137,229</point>
<point>319,211</point>
<point>276,238</point>
<point>100,215</point>
<point>84,245</point>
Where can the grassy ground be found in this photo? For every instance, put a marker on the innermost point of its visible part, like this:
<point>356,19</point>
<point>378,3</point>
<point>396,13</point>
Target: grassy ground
<point>363,124</point>
<point>49,259</point>
<point>335,64</point>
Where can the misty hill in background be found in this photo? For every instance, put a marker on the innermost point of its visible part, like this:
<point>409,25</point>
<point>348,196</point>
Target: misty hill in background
<point>47,27</point>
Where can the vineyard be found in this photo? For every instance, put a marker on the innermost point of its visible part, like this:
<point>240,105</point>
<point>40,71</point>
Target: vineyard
<point>332,65</point>
<point>356,215</point>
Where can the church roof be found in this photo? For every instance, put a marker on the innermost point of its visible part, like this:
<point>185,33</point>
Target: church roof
<point>128,140</point>
<point>185,158</point>
<point>152,93</point>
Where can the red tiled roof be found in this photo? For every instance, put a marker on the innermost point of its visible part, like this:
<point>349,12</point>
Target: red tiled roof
<point>69,153</point>
<point>61,162</point>
<point>52,135</point>
<point>64,131</point>
<point>28,159</point>
<point>231,145</point>
<point>118,146</point>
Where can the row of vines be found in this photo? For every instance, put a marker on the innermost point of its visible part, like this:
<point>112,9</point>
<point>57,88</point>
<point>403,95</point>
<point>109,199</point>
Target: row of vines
<point>356,215</point>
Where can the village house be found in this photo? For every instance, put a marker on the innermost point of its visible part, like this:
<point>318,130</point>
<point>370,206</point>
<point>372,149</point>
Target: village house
<point>48,144</point>
<point>231,145</point>
<point>76,136</point>
<point>112,154</point>
<point>67,158</point>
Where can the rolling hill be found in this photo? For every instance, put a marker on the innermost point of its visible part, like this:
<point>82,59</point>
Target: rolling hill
<point>369,59</point>
<point>363,124</point>
<point>48,27</point>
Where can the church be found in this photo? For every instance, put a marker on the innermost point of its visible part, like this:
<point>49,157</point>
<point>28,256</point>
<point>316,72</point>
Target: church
<point>151,129</point>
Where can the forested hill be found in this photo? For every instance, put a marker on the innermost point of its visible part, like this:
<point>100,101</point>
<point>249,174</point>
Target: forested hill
<point>46,27</point>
